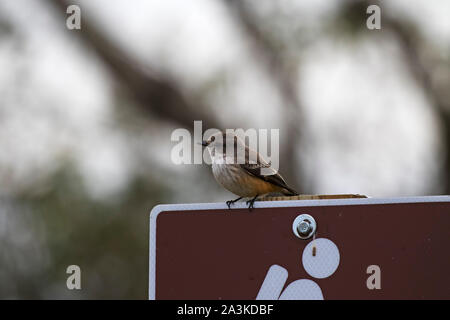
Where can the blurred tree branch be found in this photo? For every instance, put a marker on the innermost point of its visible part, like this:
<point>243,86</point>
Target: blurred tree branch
<point>421,60</point>
<point>412,45</point>
<point>155,95</point>
<point>163,98</point>
<point>285,80</point>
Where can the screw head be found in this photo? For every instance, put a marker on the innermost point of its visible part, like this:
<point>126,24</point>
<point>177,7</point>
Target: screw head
<point>304,226</point>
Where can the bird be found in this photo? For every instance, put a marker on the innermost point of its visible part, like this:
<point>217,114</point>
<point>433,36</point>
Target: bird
<point>243,176</point>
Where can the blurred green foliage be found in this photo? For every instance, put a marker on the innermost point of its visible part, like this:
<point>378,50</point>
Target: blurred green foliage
<point>108,240</point>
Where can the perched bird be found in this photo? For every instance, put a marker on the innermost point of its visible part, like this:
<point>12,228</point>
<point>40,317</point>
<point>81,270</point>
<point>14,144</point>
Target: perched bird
<point>243,176</point>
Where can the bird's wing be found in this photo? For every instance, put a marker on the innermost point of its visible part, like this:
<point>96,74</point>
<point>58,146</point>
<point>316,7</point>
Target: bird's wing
<point>255,170</point>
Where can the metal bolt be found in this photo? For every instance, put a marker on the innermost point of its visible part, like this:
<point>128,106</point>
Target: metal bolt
<point>304,226</point>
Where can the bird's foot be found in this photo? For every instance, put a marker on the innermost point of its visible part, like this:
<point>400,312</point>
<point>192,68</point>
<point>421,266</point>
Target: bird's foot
<point>251,203</point>
<point>230,202</point>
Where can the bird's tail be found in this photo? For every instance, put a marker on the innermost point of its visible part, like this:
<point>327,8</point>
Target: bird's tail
<point>288,191</point>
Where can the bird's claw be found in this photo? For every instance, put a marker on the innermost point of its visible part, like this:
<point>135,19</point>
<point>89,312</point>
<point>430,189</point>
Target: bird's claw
<point>251,203</point>
<point>230,202</point>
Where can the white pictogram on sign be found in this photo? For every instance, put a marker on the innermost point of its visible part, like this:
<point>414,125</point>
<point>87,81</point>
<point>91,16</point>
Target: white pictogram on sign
<point>320,264</point>
<point>325,261</point>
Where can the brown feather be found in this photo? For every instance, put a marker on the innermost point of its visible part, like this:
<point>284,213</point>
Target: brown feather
<point>255,170</point>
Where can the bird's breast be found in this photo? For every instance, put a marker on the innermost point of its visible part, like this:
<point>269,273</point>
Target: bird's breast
<point>235,179</point>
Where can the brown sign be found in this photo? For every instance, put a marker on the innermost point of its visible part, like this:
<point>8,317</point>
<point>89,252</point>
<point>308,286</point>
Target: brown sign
<point>361,249</point>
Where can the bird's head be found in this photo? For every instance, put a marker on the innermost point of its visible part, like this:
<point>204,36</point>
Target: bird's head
<point>220,142</point>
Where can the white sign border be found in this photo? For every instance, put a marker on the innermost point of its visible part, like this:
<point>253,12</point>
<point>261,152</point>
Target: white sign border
<point>263,204</point>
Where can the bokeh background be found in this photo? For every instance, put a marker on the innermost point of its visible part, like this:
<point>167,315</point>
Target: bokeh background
<point>86,118</point>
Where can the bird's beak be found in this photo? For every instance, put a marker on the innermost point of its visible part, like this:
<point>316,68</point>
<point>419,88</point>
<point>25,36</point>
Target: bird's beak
<point>204,143</point>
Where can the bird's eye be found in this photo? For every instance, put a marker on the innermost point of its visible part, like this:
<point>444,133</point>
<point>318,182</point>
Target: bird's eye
<point>213,138</point>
